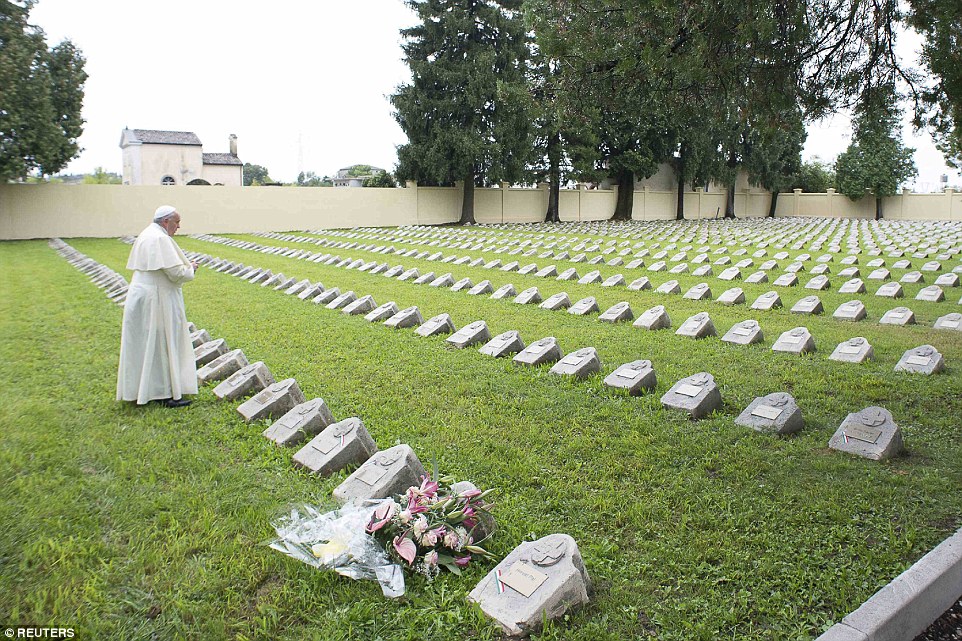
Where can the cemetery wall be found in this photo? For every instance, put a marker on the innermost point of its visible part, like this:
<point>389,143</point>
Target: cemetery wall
<point>46,210</point>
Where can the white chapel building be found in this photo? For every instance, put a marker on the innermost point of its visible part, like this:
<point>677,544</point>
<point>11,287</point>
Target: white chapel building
<point>153,157</point>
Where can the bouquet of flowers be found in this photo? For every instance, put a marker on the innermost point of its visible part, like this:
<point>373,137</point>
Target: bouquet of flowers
<point>434,525</point>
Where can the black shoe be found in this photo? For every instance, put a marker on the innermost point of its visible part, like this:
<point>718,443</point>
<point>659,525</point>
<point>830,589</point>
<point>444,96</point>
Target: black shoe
<point>170,402</point>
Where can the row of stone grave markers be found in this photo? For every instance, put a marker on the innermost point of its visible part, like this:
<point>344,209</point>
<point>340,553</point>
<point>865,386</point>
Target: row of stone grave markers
<point>114,285</point>
<point>697,395</point>
<point>698,326</point>
<point>851,311</point>
<point>546,577</point>
<point>947,248</point>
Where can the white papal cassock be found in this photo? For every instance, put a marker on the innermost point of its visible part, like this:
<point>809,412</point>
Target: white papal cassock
<point>156,355</point>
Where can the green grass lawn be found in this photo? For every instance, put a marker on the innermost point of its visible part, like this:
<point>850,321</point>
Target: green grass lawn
<point>142,523</point>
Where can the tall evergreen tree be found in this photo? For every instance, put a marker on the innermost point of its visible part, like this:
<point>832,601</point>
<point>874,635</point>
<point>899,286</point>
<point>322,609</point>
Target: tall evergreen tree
<point>876,159</point>
<point>464,112</point>
<point>41,94</point>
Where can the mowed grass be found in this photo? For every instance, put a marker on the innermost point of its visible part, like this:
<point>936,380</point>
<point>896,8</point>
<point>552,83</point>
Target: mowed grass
<point>148,523</point>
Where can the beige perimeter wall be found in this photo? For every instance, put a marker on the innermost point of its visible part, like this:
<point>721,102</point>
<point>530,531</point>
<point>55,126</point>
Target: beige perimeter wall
<point>48,210</point>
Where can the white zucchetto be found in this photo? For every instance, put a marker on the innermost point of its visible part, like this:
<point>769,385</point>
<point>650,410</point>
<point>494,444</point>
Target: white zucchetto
<point>164,211</point>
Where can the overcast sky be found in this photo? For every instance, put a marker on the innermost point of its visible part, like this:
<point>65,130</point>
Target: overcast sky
<point>303,84</point>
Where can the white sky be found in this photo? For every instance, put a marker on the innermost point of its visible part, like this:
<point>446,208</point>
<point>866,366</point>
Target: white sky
<point>303,84</point>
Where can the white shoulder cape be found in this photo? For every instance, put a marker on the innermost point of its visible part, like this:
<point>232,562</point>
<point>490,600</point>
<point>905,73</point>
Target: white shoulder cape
<point>155,249</point>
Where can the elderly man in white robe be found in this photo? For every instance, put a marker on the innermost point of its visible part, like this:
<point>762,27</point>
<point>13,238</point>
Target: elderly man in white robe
<point>156,355</point>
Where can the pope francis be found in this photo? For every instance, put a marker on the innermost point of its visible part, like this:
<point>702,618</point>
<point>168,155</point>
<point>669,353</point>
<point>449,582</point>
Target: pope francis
<point>156,356</point>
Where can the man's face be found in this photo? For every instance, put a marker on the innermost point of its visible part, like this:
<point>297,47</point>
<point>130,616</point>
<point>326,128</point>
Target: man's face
<point>172,224</point>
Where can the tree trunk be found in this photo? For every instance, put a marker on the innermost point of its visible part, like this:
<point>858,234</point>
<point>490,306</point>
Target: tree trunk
<point>730,202</point>
<point>878,208</point>
<point>680,202</point>
<point>626,196</point>
<point>771,208</point>
<point>467,203</point>
<point>554,178</point>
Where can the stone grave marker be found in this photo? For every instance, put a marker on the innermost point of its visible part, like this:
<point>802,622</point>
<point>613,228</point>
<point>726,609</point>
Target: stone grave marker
<point>504,344</point>
<point>326,296</point>
<point>529,296</point>
<point>810,305</point>
<point>658,266</point>
<point>407,317</point>
<point>298,287</point>
<point>273,280</point>
<point>932,266</point>
<point>386,473</point>
<point>394,272</point>
<point>776,413</point>
<point>537,581</point>
<point>493,264</point>
<point>679,269</point>
<point>274,400</point>
<point>547,272</point>
<point>951,321</point>
<point>221,367</point>
<point>767,301</point>
<point>635,377</point>
<point>701,291</point>
<point>505,291</point>
<point>819,270</point>
<point>510,267</point>
<point>747,332</point>
<point>795,341</point>
<point>435,326</point>
<point>724,260</point>
<point>931,294</point>
<point>311,292</point>
<point>342,301</point>
<point>464,283</point>
<point>545,350</point>
<point>786,280</point>
<point>568,274</point>
<point>854,350</point>
<point>584,306</point>
<point>948,279</point>
<point>590,277</point>
<point>818,283</point>
<point>209,351</point>
<point>696,395</point>
<point>614,281</point>
<point>890,290</point>
<point>382,312</point>
<point>669,287</point>
<point>530,268</point>
<point>912,278</point>
<point>879,274</point>
<point>362,305</point>
<point>697,326</point>
<point>871,433</point>
<point>898,316</point>
<point>484,287</point>
<point>556,302</point>
<point>757,277</point>
<point>733,296</point>
<point>410,274</point>
<point>424,278</point>
<point>640,284</point>
<point>249,379</point>
<point>470,334</point>
<point>339,445</point>
<point>444,280</point>
<point>199,337</point>
<point>732,273</point>
<point>854,286</point>
<point>617,313</point>
<point>768,266</point>
<point>852,311</point>
<point>285,284</point>
<point>304,420</point>
<point>580,363</point>
<point>654,318</point>
<point>704,270</point>
<point>900,264</point>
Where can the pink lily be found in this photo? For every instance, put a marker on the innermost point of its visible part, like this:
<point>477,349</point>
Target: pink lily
<point>381,516</point>
<point>462,561</point>
<point>406,549</point>
<point>470,494</point>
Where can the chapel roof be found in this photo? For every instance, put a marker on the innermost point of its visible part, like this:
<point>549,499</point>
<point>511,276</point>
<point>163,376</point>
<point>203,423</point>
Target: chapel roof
<point>221,159</point>
<point>159,137</point>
